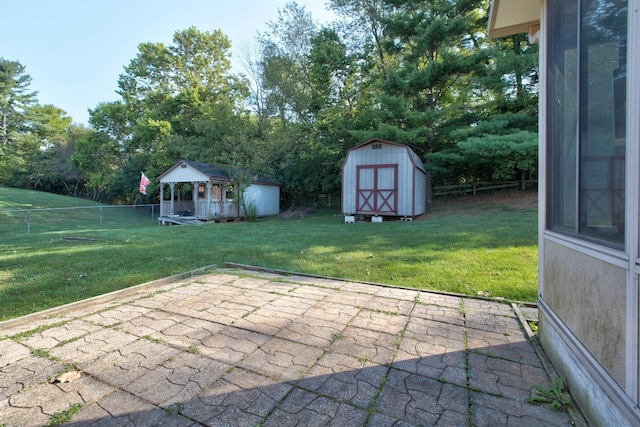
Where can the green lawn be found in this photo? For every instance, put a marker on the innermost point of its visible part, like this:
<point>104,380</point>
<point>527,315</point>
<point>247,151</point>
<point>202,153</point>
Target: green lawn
<point>489,247</point>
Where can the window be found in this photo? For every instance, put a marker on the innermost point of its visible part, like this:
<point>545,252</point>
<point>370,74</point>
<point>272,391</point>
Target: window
<point>586,110</point>
<point>202,188</point>
<point>229,192</point>
<point>376,146</point>
<point>216,194</point>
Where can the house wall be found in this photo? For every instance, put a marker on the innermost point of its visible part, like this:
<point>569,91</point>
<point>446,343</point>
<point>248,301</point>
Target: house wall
<point>589,295</point>
<point>387,154</point>
<point>267,198</point>
<point>600,402</point>
<point>588,292</point>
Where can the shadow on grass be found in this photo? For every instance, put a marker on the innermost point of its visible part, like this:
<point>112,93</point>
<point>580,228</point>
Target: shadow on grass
<point>488,252</point>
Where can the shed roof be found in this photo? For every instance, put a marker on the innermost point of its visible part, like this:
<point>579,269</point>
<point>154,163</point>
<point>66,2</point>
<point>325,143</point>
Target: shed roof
<point>508,17</point>
<point>216,173</point>
<point>412,154</point>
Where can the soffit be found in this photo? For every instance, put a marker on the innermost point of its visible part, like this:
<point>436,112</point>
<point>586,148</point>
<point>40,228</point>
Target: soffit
<point>508,17</point>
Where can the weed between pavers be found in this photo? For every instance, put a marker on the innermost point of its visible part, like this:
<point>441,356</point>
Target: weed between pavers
<point>462,309</point>
<point>64,416</point>
<point>387,312</point>
<point>152,339</point>
<point>336,336</point>
<point>40,352</point>
<point>70,340</point>
<point>175,408</point>
<point>363,360</point>
<point>18,338</point>
<point>556,395</point>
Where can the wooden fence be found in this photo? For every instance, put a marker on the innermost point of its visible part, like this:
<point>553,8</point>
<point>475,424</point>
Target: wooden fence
<point>476,187</point>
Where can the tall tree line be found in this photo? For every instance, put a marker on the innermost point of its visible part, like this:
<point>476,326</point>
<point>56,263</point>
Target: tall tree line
<point>415,72</point>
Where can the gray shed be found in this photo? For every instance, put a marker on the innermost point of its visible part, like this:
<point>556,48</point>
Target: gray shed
<point>383,178</point>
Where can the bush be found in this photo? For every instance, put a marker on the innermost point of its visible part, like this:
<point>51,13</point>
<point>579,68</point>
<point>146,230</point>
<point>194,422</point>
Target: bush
<point>251,210</point>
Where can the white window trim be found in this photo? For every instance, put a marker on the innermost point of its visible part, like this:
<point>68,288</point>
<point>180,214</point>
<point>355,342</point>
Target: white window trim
<point>542,145</point>
<point>632,194</point>
<point>602,253</point>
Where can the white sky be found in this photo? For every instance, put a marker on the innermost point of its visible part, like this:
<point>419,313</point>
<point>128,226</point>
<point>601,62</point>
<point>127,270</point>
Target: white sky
<point>74,50</point>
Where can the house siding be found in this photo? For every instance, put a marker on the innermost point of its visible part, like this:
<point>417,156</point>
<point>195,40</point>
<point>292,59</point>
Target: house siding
<point>589,295</point>
<point>588,288</point>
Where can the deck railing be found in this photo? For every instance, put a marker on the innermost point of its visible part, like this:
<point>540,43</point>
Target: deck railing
<point>202,209</point>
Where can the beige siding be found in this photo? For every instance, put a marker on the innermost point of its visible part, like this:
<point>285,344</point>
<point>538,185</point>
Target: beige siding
<point>589,297</point>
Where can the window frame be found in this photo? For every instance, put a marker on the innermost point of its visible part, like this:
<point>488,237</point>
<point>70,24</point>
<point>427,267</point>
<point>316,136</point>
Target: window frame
<point>559,184</point>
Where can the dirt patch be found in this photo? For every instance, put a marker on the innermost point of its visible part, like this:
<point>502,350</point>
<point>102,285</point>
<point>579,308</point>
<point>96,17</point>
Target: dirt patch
<point>513,199</point>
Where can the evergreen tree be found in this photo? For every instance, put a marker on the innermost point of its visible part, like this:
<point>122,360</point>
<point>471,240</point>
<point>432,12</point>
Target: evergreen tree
<point>437,48</point>
<point>15,99</point>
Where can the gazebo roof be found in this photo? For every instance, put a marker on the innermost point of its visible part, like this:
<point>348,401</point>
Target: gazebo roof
<point>217,173</point>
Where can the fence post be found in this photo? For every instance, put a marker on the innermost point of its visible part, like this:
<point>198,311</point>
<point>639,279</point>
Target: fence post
<point>100,216</point>
<point>28,221</point>
<point>152,210</point>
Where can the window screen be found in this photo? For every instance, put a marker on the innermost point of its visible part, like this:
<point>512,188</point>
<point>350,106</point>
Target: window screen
<point>586,108</point>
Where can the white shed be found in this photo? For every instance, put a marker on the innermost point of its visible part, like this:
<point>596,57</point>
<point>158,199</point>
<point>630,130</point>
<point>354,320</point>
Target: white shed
<point>383,178</point>
<point>212,194</point>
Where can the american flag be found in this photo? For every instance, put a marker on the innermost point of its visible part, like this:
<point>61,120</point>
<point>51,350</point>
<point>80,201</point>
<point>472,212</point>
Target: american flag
<point>144,181</point>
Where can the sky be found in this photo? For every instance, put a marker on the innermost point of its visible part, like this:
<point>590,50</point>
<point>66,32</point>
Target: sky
<point>74,50</point>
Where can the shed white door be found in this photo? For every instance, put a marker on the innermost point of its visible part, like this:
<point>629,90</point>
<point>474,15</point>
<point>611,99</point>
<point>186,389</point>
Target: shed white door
<point>377,189</point>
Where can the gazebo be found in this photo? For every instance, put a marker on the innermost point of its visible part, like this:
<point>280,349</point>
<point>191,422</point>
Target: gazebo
<point>213,196</point>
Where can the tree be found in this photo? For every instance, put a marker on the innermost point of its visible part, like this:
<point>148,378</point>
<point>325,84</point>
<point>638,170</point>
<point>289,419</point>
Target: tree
<point>511,83</point>
<point>50,127</point>
<point>97,156</point>
<point>61,165</point>
<point>285,63</point>
<point>500,149</point>
<point>437,52</point>
<point>177,101</point>
<point>365,24</point>
<point>15,98</point>
<point>250,59</point>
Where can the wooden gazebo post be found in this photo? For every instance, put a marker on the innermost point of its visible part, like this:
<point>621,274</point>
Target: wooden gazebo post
<point>173,210</point>
<point>208,198</point>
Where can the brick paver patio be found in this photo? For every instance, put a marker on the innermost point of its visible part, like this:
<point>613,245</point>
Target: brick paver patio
<point>235,347</point>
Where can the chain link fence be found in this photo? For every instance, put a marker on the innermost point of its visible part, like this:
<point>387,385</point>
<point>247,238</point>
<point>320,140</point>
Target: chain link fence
<point>51,220</point>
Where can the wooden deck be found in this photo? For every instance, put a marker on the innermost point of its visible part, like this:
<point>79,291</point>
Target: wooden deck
<point>179,220</point>
<point>192,220</point>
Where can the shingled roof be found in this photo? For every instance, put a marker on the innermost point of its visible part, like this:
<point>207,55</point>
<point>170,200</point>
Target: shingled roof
<point>217,173</point>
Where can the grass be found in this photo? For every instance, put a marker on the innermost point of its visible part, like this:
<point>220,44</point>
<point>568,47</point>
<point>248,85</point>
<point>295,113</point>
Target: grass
<point>487,248</point>
<point>63,417</point>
